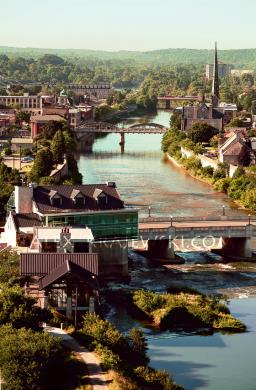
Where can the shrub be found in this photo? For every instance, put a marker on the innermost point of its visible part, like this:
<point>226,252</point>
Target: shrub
<point>155,379</point>
<point>108,359</point>
<point>223,184</point>
<point>148,301</point>
<point>102,332</point>
<point>139,346</point>
<point>207,171</point>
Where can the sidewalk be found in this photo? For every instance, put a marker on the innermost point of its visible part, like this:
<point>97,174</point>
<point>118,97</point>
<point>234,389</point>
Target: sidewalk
<point>97,378</point>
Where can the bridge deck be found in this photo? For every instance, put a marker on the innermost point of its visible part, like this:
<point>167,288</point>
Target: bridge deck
<point>199,224</point>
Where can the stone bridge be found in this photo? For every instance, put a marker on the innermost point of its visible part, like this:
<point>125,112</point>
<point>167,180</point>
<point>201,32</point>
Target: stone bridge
<point>236,233</point>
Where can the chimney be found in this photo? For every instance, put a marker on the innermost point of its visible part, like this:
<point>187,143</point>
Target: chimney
<point>23,197</point>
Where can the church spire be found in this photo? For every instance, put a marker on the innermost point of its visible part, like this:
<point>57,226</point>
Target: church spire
<point>215,80</point>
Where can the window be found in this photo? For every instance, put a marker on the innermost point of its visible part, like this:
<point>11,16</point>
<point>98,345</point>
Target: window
<point>79,201</point>
<point>56,202</point>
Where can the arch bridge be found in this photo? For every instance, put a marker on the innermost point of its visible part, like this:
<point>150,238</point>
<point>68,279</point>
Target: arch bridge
<point>89,128</point>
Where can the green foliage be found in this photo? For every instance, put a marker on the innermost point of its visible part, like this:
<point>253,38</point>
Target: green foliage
<point>240,171</point>
<point>7,151</point>
<point>46,181</point>
<point>42,165</point>
<point>19,310</point>
<point>175,122</point>
<point>237,187</point>
<point>236,122</point>
<point>30,360</point>
<point>9,267</point>
<point>102,332</point>
<point>248,198</point>
<point>155,379</point>
<point>187,310</point>
<point>222,184</point>
<point>8,178</point>
<point>207,171</point>
<point>139,346</point>
<point>148,301</point>
<point>108,359</point>
<point>201,132</point>
<point>193,163</point>
<point>58,147</point>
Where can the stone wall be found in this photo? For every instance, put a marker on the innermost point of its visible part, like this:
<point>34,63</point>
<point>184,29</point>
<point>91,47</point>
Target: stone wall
<point>206,161</point>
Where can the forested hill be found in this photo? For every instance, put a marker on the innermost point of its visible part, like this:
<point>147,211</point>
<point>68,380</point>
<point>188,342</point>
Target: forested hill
<point>241,58</point>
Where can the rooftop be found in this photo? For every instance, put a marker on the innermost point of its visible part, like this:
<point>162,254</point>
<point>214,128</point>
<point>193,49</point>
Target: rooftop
<point>42,197</point>
<point>47,118</point>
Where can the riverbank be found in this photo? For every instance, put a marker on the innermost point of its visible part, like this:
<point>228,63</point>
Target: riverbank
<point>178,165</point>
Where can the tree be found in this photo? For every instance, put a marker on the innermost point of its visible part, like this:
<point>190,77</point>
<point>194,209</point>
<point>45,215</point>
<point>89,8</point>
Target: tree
<point>175,121</point>
<point>9,267</point>
<point>201,132</point>
<point>58,148</point>
<point>42,165</point>
<point>19,310</point>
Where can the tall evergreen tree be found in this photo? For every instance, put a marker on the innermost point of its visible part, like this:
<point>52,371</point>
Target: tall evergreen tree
<point>58,148</point>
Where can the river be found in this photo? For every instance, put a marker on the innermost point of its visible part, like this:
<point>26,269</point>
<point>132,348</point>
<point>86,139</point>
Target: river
<point>144,178</point>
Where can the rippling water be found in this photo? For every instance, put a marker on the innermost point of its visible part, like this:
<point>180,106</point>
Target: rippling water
<point>144,177</point>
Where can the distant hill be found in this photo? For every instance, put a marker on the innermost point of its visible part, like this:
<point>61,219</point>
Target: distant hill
<point>240,58</point>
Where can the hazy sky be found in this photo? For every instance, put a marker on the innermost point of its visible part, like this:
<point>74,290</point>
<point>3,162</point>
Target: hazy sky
<point>128,24</point>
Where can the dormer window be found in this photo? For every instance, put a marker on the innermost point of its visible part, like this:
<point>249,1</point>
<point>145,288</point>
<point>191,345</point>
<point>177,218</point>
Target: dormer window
<point>100,197</point>
<point>78,198</point>
<point>55,198</point>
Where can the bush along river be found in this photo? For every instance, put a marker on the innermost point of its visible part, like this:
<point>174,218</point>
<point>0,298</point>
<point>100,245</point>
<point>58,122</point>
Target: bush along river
<point>144,178</point>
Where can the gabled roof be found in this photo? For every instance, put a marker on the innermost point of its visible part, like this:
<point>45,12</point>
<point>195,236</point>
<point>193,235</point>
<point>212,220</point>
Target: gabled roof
<point>74,193</point>
<point>65,269</point>
<point>97,192</point>
<point>52,194</point>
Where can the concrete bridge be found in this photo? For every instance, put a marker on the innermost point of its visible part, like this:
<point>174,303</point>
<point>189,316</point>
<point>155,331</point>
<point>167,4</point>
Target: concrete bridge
<point>236,234</point>
<point>88,129</point>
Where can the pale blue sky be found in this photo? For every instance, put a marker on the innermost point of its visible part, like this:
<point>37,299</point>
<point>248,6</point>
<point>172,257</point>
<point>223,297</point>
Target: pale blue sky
<point>128,24</point>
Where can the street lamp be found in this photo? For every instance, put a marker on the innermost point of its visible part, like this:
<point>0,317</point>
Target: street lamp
<point>171,219</point>
<point>149,211</point>
<point>223,210</point>
<point>249,219</point>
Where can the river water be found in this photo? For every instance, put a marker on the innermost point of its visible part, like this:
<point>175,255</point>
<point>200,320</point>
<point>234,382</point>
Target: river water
<point>144,178</point>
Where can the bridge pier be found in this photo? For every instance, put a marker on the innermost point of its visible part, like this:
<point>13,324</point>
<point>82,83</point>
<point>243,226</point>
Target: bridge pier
<point>161,249</point>
<point>167,104</point>
<point>237,247</point>
<point>122,142</point>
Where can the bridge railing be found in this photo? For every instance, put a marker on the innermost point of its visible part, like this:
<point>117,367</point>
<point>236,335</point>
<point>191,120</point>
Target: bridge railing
<point>199,219</point>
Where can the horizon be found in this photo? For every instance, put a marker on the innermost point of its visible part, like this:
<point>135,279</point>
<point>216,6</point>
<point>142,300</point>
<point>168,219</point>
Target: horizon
<point>122,50</point>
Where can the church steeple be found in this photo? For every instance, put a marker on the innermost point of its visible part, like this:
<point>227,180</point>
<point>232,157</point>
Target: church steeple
<point>215,80</point>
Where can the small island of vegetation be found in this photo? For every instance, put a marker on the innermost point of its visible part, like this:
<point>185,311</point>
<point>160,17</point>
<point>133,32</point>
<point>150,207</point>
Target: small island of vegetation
<point>179,309</point>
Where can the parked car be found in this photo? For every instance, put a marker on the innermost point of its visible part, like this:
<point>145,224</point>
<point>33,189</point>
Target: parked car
<point>27,159</point>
